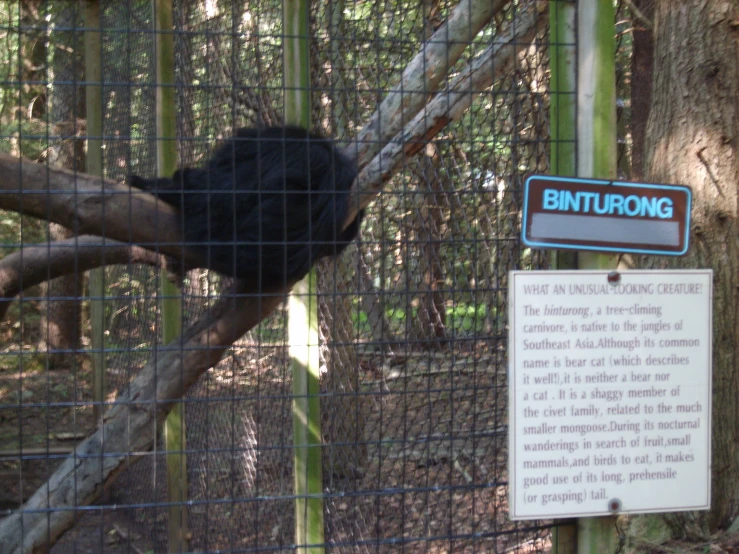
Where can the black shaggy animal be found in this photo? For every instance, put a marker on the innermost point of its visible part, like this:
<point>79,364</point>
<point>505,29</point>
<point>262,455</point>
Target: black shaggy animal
<point>268,204</point>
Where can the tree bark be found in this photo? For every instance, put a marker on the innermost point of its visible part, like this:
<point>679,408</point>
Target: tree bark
<point>692,139</point>
<point>429,328</point>
<point>373,304</point>
<point>60,321</point>
<point>345,450</point>
<point>641,85</point>
<point>59,324</point>
<point>90,205</point>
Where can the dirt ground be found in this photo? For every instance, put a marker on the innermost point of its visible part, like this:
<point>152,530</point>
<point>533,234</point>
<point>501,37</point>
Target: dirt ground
<point>433,475</point>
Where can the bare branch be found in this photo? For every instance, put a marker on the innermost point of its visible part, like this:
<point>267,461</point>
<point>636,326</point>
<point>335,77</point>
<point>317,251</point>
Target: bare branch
<point>446,106</point>
<point>35,264</point>
<point>130,426</point>
<point>422,75</point>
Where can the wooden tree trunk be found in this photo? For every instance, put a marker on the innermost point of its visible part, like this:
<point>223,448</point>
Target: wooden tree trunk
<point>641,84</point>
<point>345,452</point>
<point>429,327</point>
<point>60,312</point>
<point>692,139</point>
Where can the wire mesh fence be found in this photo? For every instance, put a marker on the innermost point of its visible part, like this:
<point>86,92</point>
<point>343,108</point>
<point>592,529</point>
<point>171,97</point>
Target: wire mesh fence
<point>412,316</point>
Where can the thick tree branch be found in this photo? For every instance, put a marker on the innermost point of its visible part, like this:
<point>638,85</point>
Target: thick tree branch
<point>130,426</point>
<point>33,265</point>
<point>90,205</point>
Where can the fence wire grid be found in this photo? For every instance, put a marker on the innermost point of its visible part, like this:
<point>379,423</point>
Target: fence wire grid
<point>412,316</point>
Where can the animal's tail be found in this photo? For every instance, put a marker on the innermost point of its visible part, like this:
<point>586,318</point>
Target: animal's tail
<point>161,187</point>
<point>151,185</point>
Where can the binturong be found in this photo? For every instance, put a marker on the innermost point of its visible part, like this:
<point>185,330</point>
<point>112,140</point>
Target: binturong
<point>266,206</point>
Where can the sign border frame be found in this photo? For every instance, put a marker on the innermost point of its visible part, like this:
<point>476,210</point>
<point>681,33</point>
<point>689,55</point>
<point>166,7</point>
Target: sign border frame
<point>511,439</point>
<point>625,184</point>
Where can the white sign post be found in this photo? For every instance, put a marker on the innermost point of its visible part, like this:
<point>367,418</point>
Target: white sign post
<point>610,392</point>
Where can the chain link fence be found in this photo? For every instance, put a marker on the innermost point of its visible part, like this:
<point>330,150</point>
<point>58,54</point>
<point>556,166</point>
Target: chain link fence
<point>412,317</point>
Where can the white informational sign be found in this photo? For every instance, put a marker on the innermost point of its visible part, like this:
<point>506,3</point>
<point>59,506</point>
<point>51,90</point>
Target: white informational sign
<point>610,392</point>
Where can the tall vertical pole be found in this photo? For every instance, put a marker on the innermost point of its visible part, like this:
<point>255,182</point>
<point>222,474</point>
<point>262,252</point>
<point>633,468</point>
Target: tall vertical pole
<point>563,87</point>
<point>596,103</point>
<point>303,314</point>
<point>166,128</point>
<point>94,115</point>
<point>563,160</point>
<point>596,157</point>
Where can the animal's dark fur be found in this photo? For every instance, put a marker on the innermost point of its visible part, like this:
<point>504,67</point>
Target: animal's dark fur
<point>266,206</point>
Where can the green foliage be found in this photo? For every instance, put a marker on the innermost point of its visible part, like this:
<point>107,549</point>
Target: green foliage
<point>467,319</point>
<point>463,318</point>
<point>398,314</point>
<point>26,136</point>
<point>17,361</point>
<point>16,228</point>
<point>360,321</point>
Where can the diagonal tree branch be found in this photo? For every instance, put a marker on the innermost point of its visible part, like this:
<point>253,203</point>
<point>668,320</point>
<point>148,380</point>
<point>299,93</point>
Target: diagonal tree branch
<point>129,428</point>
<point>497,60</point>
<point>422,76</point>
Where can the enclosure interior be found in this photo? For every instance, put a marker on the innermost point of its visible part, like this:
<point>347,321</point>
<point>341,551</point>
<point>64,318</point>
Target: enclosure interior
<point>412,316</point>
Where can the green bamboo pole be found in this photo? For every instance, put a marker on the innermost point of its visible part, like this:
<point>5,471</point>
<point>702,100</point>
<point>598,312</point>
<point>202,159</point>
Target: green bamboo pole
<point>94,114</point>
<point>597,154</point>
<point>563,86</point>
<point>563,160</point>
<point>596,145</point>
<point>303,314</point>
<point>174,425</point>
